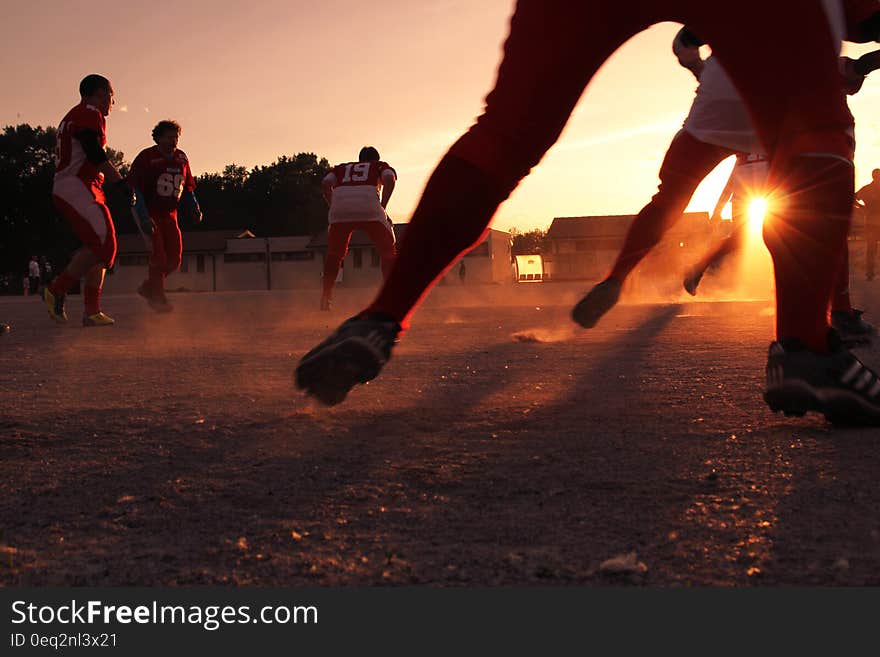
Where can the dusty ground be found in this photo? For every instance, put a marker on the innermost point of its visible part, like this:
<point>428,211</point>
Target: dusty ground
<point>499,447</point>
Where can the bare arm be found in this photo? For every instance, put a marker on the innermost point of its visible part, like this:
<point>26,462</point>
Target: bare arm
<point>327,185</point>
<point>389,179</point>
<point>867,63</point>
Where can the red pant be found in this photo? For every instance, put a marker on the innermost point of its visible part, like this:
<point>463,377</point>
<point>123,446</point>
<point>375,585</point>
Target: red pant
<point>167,244</point>
<point>553,50</point>
<point>688,160</point>
<point>338,237</point>
<point>167,251</point>
<point>85,209</point>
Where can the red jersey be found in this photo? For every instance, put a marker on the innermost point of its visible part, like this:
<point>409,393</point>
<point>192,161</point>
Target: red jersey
<point>70,158</point>
<point>161,180</point>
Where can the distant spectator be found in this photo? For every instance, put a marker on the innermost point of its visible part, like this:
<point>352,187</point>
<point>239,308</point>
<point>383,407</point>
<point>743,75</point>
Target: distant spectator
<point>868,198</point>
<point>34,275</point>
<point>47,270</point>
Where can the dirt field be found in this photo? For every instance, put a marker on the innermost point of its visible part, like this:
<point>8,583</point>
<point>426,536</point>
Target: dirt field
<point>499,447</point>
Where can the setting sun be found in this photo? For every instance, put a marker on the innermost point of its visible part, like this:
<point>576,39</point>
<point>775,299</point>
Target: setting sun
<point>757,211</point>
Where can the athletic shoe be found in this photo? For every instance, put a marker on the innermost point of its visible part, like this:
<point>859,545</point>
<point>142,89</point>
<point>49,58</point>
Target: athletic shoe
<point>835,384</point>
<point>597,302</point>
<point>5,328</point>
<point>55,306</point>
<point>692,279</point>
<point>98,319</point>
<point>158,302</point>
<point>853,330</point>
<point>354,353</point>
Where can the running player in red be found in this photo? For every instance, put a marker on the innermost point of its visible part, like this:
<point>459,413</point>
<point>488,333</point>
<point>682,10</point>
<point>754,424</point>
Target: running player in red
<point>352,190</point>
<point>162,178</point>
<point>553,50</point>
<point>717,126</point>
<point>82,171</point>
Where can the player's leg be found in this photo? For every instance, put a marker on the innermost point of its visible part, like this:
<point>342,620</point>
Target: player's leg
<point>338,237</point>
<point>93,284</point>
<point>383,239</point>
<point>93,281</point>
<point>553,49</point>
<point>804,122</point>
<point>89,217</point>
<point>721,249</point>
<point>870,254</point>
<point>845,319</point>
<point>535,92</point>
<point>688,160</point>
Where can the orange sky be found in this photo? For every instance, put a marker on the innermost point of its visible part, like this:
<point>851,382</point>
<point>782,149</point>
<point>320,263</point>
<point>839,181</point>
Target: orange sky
<point>251,81</point>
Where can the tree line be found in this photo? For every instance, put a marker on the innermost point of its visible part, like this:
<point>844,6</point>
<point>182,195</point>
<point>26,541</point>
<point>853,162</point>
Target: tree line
<point>282,198</point>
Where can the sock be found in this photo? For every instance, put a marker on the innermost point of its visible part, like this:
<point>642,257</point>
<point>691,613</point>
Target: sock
<point>92,300</point>
<point>62,284</point>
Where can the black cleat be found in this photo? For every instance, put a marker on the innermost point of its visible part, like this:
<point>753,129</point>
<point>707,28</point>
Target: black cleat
<point>835,384</point>
<point>354,353</point>
<point>55,306</point>
<point>158,302</point>
<point>692,279</point>
<point>853,330</point>
<point>4,328</point>
<point>598,301</point>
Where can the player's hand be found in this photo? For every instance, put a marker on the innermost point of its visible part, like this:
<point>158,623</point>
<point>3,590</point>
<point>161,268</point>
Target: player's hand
<point>196,215</point>
<point>142,216</point>
<point>852,80</point>
<point>145,222</point>
<point>127,192</point>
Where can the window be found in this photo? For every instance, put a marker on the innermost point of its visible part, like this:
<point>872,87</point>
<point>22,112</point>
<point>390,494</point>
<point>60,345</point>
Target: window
<point>375,261</point>
<point>282,256</point>
<point>358,258</point>
<point>200,263</point>
<point>244,257</point>
<point>184,265</point>
<point>134,260</point>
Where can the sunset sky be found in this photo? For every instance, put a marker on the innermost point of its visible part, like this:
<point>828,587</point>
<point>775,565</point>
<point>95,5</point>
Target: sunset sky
<point>252,81</point>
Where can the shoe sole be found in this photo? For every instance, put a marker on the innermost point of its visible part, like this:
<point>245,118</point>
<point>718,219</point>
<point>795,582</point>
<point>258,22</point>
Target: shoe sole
<point>591,309</point>
<point>331,373</point>
<point>840,407</point>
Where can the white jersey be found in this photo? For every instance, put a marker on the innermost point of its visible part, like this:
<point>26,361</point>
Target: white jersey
<point>718,115</point>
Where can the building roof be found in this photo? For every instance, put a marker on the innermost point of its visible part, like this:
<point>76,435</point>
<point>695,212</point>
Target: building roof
<point>193,242</point>
<point>600,226</point>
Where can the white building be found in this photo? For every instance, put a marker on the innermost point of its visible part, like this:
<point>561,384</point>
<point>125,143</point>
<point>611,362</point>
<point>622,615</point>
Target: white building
<point>236,260</point>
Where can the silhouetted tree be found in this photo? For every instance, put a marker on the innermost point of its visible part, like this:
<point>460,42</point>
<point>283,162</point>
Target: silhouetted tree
<point>529,242</point>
